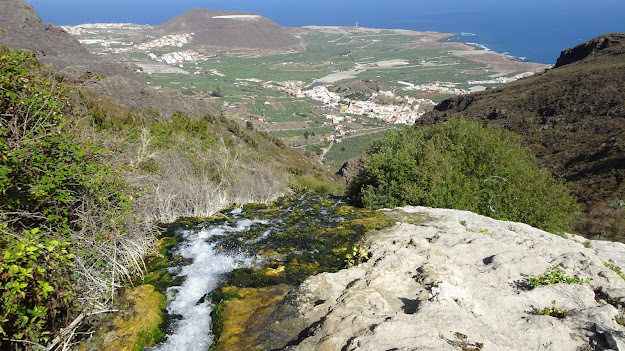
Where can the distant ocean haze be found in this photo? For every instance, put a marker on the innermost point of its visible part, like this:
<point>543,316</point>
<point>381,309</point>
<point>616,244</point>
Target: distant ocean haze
<point>533,29</point>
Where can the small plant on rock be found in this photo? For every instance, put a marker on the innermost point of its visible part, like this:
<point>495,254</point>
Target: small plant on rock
<point>555,275</point>
<point>356,256</point>
<point>552,311</point>
<point>615,268</point>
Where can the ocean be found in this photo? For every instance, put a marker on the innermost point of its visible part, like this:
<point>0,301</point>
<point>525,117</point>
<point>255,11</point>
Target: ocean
<point>534,30</point>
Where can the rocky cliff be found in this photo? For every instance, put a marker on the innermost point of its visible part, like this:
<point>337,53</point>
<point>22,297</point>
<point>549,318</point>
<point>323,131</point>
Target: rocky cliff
<point>609,44</point>
<point>454,280</point>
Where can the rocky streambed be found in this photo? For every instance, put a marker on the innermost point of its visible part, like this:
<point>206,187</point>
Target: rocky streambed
<point>217,272</point>
<point>435,280</point>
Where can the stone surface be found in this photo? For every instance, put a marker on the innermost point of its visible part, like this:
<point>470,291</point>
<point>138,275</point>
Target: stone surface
<point>136,322</point>
<point>457,281</point>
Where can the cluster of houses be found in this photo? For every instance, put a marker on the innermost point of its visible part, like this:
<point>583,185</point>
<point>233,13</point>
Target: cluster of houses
<point>177,40</point>
<point>96,28</point>
<point>173,58</point>
<point>438,87</point>
<point>501,80</point>
<point>403,110</point>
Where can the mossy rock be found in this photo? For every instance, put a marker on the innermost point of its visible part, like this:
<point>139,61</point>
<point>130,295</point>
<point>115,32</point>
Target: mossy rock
<point>245,318</point>
<point>134,326</point>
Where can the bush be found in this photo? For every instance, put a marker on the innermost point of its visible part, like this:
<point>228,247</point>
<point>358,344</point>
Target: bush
<point>64,215</point>
<point>35,286</point>
<point>462,165</point>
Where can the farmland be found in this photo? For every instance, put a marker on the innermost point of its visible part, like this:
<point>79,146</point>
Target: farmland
<point>273,91</point>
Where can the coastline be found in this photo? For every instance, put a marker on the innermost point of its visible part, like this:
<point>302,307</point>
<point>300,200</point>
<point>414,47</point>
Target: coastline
<point>440,40</point>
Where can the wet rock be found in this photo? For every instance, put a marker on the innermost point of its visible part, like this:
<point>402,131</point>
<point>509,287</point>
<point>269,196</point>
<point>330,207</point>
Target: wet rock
<point>245,317</point>
<point>133,326</point>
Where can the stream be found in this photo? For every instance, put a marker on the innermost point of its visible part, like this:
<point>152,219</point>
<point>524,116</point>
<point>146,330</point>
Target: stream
<point>298,235</point>
<point>203,274</point>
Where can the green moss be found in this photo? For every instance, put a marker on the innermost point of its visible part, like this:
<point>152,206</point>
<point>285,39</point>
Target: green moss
<point>253,278</point>
<point>218,297</point>
<point>148,338</point>
<point>305,233</point>
<point>157,265</point>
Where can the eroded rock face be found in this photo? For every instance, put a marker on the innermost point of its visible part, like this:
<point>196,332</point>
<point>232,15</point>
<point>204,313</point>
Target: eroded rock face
<point>457,281</point>
<point>591,47</point>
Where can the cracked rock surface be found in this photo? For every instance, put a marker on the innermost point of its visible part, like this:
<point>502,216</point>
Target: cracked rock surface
<point>458,281</point>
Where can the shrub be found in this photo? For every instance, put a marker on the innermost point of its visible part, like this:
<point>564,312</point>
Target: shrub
<point>35,286</point>
<point>64,216</point>
<point>552,311</point>
<point>462,165</point>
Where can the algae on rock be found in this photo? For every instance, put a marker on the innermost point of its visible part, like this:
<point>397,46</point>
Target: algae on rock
<point>134,326</point>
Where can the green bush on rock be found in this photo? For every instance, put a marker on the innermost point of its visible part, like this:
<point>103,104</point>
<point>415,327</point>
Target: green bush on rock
<point>462,165</point>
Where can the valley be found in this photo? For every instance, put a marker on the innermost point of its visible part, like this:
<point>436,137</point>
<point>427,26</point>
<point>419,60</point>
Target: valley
<point>344,83</point>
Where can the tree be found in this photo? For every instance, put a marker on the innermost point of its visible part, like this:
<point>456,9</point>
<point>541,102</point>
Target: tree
<point>462,165</point>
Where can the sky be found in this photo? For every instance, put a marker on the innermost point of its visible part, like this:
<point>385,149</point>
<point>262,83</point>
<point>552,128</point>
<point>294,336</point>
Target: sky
<point>534,28</point>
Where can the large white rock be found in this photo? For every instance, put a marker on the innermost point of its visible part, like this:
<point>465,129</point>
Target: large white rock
<point>458,279</point>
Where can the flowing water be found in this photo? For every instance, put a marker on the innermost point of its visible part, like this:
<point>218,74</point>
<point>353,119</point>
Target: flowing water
<point>205,273</point>
<point>300,235</point>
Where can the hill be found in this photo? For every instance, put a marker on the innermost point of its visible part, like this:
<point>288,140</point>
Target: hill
<point>228,30</point>
<point>21,28</point>
<point>571,116</point>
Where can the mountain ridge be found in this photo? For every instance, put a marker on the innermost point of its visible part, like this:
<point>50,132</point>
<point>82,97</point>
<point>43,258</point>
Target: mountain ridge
<point>23,29</point>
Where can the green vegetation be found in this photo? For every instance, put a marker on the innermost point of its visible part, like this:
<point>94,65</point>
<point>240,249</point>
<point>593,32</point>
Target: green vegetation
<point>461,165</point>
<point>63,213</point>
<point>615,268</point>
<point>552,311</point>
<point>351,147</point>
<point>357,256</point>
<point>36,287</point>
<point>555,275</point>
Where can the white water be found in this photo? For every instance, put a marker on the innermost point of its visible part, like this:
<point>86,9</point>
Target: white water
<point>193,331</point>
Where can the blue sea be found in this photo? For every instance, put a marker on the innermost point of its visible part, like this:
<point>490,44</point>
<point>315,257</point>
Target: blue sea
<point>536,30</point>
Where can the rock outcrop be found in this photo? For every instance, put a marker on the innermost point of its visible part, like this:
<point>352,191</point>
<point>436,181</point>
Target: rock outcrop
<point>456,280</point>
<point>606,44</point>
<point>350,169</point>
